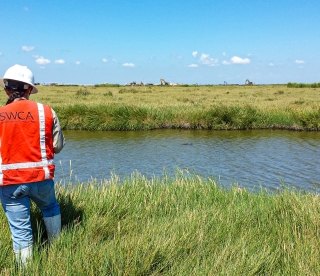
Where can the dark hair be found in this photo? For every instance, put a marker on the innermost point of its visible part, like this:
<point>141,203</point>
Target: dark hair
<point>15,95</point>
<point>16,89</point>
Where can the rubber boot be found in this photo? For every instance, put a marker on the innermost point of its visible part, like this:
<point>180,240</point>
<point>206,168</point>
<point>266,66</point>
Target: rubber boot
<point>23,255</point>
<point>53,226</point>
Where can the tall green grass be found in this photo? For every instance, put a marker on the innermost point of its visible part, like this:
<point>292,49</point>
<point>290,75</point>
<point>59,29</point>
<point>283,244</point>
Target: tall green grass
<point>303,85</point>
<point>181,226</point>
<point>126,117</point>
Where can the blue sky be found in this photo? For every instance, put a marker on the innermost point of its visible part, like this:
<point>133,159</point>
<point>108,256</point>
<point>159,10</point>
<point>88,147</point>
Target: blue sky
<point>182,41</point>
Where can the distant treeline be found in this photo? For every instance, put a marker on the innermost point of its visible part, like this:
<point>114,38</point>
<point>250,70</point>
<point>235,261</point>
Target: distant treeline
<point>70,85</point>
<point>107,85</point>
<point>303,85</point>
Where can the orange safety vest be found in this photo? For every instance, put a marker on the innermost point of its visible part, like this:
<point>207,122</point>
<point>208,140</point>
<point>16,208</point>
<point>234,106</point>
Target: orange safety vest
<point>26,143</point>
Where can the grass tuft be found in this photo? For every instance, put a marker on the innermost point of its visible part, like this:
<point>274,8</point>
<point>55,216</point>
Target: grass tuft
<point>83,92</point>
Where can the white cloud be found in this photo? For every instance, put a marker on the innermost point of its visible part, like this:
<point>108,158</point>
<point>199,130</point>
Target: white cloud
<point>299,61</point>
<point>77,62</point>
<point>26,48</point>
<point>128,64</point>
<point>193,65</point>
<point>42,61</point>
<point>104,60</point>
<point>239,60</point>
<point>236,60</point>
<point>59,61</point>
<point>207,60</point>
<point>204,59</point>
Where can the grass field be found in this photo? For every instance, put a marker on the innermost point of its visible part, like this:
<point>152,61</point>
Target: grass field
<point>262,97</point>
<point>194,107</point>
<point>179,226</point>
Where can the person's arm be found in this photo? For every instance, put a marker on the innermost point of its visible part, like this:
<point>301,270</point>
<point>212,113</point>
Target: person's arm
<point>58,138</point>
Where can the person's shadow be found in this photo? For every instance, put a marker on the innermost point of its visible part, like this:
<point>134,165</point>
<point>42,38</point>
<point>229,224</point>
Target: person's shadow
<point>71,216</point>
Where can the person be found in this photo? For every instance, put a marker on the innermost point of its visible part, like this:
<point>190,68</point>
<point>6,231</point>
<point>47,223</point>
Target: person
<point>30,135</point>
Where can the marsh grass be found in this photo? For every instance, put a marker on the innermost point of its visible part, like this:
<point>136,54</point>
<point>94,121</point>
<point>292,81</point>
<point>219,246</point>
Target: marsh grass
<point>126,117</point>
<point>109,93</point>
<point>180,226</point>
<point>128,90</point>
<point>83,92</point>
<point>203,107</point>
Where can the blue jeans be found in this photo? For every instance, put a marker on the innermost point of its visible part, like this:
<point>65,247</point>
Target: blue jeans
<point>15,201</point>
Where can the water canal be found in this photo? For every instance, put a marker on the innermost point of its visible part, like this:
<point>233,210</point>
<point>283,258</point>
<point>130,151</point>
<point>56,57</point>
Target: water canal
<point>251,159</point>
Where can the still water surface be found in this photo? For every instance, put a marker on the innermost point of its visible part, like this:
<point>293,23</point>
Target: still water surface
<point>251,159</point>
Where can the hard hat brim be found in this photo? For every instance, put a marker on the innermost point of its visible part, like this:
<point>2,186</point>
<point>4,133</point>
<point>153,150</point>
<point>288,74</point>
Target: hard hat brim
<point>33,91</point>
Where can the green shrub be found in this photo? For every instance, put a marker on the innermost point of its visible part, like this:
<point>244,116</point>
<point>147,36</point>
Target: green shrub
<point>83,92</point>
<point>130,90</point>
<point>109,93</point>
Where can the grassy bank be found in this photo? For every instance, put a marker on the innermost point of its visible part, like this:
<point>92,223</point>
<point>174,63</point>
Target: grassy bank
<point>181,226</point>
<point>194,107</point>
<point>126,117</point>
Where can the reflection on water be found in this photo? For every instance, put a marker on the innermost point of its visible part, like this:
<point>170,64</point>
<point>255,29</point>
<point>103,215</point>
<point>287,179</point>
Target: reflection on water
<point>252,159</point>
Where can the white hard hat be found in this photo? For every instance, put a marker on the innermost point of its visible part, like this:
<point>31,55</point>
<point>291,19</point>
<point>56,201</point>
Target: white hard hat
<point>19,73</point>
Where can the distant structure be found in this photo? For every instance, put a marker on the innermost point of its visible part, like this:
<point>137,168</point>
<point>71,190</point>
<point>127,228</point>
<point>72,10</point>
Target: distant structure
<point>248,82</point>
<point>225,83</point>
<point>163,82</point>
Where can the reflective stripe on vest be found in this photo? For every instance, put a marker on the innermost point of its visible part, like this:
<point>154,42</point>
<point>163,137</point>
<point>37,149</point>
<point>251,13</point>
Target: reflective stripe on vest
<point>28,165</point>
<point>42,129</point>
<point>1,174</point>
